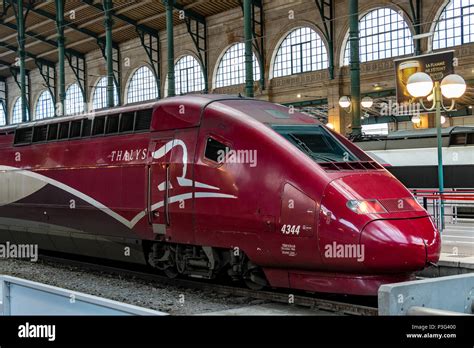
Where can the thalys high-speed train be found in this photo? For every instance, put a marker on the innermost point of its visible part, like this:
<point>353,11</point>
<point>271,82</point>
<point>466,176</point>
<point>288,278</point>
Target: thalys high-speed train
<point>203,185</point>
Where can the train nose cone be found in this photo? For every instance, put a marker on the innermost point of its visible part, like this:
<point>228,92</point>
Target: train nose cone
<point>433,247</point>
<point>403,245</point>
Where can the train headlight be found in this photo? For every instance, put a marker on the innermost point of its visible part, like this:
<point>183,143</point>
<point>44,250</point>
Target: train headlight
<point>414,204</point>
<point>366,207</point>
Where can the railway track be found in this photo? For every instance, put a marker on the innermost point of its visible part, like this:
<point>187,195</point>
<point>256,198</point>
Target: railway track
<point>312,302</point>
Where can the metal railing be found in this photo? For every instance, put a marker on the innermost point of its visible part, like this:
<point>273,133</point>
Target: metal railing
<point>447,208</point>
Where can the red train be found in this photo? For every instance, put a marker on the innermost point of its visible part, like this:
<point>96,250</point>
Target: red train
<point>201,185</point>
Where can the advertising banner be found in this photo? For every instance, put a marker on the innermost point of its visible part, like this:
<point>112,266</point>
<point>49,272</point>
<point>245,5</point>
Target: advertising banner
<point>437,65</point>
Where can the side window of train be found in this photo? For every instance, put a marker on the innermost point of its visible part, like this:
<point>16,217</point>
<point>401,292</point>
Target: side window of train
<point>75,131</point>
<point>53,132</point>
<point>63,130</point>
<point>215,150</point>
<point>112,126</point>
<point>98,127</point>
<point>461,139</point>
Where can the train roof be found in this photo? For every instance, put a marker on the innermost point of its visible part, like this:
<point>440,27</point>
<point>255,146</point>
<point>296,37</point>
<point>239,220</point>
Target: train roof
<point>416,134</point>
<point>198,100</point>
<point>172,117</point>
<point>423,138</point>
<point>429,132</point>
<point>186,111</point>
<point>90,115</point>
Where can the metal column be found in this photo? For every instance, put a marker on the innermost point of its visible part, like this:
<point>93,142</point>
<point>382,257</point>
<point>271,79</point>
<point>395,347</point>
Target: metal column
<point>61,55</point>
<point>22,56</point>
<point>416,10</point>
<point>326,10</point>
<point>169,4</point>
<point>355,66</point>
<point>109,52</point>
<point>4,98</point>
<point>248,48</point>
<point>438,97</point>
<point>257,40</point>
<point>418,24</point>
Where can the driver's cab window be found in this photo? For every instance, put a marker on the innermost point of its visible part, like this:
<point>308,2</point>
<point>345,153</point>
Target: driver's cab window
<point>215,150</point>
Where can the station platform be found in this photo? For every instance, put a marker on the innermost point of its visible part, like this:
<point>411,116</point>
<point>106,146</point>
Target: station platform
<point>458,239</point>
<point>270,309</point>
<point>464,264</point>
<point>457,252</point>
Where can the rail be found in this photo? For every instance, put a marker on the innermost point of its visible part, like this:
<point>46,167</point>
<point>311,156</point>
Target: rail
<point>448,207</point>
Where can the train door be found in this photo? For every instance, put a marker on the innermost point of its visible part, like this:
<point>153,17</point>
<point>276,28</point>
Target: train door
<point>158,185</point>
<point>171,186</point>
<point>297,235</point>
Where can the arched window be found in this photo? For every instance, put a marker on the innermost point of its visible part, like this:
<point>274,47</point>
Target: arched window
<point>301,51</point>
<point>231,70</point>
<point>142,86</point>
<point>44,106</point>
<point>74,102</point>
<point>3,115</point>
<point>189,76</point>
<point>384,33</point>
<point>99,99</point>
<point>455,26</point>
<point>16,114</point>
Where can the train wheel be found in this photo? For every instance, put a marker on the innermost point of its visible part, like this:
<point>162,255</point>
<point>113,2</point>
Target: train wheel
<point>171,272</point>
<point>163,257</point>
<point>254,277</point>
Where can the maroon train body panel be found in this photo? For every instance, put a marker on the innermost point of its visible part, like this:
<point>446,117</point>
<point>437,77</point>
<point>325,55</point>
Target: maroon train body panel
<point>143,180</point>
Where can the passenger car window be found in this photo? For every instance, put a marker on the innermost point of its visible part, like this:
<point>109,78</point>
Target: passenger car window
<point>63,130</point>
<point>215,150</point>
<point>53,131</point>
<point>75,129</point>
<point>98,127</point>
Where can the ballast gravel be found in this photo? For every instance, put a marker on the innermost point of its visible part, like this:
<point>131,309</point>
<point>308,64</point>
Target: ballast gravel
<point>174,300</point>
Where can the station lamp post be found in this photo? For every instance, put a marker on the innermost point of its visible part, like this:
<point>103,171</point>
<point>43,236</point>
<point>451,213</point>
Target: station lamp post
<point>345,102</point>
<point>420,85</point>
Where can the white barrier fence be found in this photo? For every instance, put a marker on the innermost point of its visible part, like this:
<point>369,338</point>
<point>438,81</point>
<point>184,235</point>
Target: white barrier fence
<point>24,297</point>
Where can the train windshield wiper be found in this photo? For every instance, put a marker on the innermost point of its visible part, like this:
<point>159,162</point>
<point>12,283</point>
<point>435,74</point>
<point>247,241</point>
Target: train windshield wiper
<point>302,145</point>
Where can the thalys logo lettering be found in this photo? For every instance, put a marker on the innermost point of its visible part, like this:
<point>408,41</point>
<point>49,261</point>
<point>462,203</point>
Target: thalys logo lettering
<point>128,155</point>
<point>29,182</point>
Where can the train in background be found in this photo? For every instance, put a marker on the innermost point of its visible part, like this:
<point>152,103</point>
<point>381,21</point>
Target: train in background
<point>210,184</point>
<point>412,156</point>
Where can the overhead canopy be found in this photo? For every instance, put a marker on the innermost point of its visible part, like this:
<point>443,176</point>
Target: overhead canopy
<point>84,25</point>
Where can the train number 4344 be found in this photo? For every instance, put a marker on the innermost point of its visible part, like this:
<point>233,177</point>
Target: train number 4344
<point>291,229</point>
